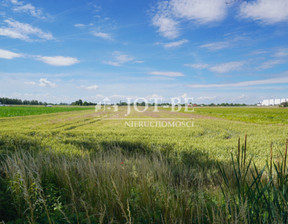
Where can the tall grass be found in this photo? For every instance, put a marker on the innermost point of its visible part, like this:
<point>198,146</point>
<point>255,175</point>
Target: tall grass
<point>261,193</point>
<point>113,186</point>
<point>119,185</point>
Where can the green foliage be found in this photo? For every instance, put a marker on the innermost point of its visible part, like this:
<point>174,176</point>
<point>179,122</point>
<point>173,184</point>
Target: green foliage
<point>111,185</point>
<point>262,193</point>
<point>284,104</point>
<point>247,114</point>
<point>81,103</point>
<point>20,102</point>
<point>78,168</point>
<point>26,111</point>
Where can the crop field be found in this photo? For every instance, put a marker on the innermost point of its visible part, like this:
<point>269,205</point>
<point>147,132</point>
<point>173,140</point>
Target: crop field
<point>14,111</point>
<point>92,167</point>
<point>258,115</point>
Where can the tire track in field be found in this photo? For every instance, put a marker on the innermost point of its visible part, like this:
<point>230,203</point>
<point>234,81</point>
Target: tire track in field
<point>83,124</point>
<point>74,121</point>
<point>67,124</point>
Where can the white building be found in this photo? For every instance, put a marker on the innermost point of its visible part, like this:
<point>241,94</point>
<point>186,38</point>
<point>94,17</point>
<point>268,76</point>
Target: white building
<point>272,102</point>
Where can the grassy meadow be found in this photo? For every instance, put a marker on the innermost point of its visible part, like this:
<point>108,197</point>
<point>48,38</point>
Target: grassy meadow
<point>87,167</point>
<point>14,111</point>
<point>260,115</point>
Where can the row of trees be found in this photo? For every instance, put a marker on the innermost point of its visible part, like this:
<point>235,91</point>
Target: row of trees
<point>85,103</point>
<point>9,101</point>
<point>169,104</point>
<point>142,104</point>
<point>81,103</point>
<point>226,105</point>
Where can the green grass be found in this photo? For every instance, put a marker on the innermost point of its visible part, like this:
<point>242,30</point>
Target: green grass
<point>13,111</point>
<point>77,167</point>
<point>246,114</point>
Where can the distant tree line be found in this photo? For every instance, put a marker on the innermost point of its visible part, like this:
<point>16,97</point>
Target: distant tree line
<point>284,104</point>
<point>143,104</point>
<point>9,101</point>
<point>81,103</point>
<point>192,104</point>
<point>225,105</point>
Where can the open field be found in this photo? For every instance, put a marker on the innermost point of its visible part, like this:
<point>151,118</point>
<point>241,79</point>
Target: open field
<point>87,167</point>
<point>270,115</point>
<point>14,111</point>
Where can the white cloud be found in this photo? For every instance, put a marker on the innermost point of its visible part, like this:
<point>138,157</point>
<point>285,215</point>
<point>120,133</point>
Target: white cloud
<point>55,61</point>
<point>197,66</point>
<point>58,60</point>
<point>7,32</point>
<point>23,31</point>
<point>169,74</point>
<point>30,83</point>
<point>113,63</point>
<point>16,2</point>
<point>270,64</point>
<point>169,14</point>
<point>154,96</point>
<point>105,36</point>
<point>119,59</point>
<point>216,45</point>
<point>139,62</point>
<point>265,11</point>
<point>29,9</point>
<point>227,67</point>
<point>80,25</point>
<point>281,53</point>
<point>168,27</point>
<point>281,80</point>
<point>220,68</point>
<point>206,98</point>
<point>94,87</point>
<point>259,52</point>
<point>200,11</point>
<point>175,43</point>
<point>45,83</point>
<point>9,54</point>
<point>19,6</point>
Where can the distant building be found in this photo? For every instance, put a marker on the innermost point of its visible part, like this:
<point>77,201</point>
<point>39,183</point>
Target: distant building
<point>48,106</point>
<point>272,102</point>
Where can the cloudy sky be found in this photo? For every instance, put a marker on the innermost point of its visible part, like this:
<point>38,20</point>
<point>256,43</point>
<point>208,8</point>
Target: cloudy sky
<point>211,50</point>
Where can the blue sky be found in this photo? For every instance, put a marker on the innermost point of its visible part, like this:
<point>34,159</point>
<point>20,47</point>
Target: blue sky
<point>210,50</point>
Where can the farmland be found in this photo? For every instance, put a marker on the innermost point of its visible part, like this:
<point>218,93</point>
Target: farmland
<point>248,114</point>
<point>88,167</point>
<point>14,111</point>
